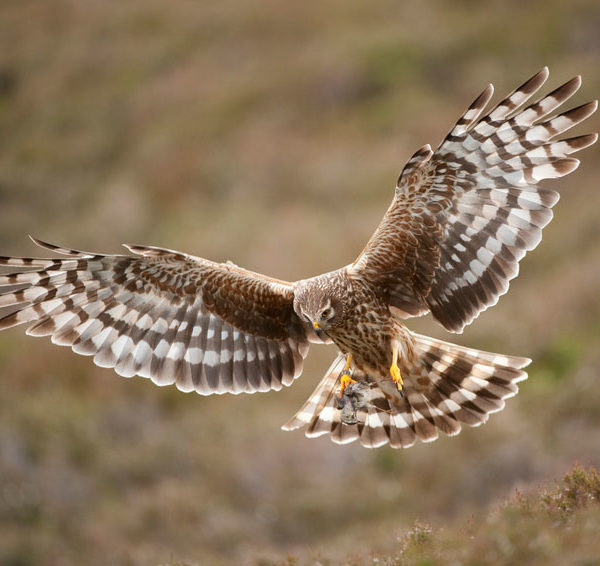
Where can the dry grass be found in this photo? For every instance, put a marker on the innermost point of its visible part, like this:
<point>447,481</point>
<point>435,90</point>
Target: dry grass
<point>547,526</point>
<point>268,135</point>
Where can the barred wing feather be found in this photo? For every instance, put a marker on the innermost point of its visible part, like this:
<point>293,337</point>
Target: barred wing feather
<point>168,316</point>
<point>464,215</point>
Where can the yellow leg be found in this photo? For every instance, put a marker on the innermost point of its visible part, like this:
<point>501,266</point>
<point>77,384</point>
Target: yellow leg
<point>395,370</point>
<point>345,379</point>
<point>348,363</point>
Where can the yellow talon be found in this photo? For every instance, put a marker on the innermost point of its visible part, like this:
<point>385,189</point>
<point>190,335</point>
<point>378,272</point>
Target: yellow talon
<point>395,373</point>
<point>395,370</point>
<point>345,380</point>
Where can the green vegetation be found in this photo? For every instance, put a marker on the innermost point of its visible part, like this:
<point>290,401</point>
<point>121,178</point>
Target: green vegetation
<point>273,136</point>
<point>546,526</point>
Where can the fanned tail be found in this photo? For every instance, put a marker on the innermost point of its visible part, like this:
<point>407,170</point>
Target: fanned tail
<point>319,398</point>
<point>447,387</point>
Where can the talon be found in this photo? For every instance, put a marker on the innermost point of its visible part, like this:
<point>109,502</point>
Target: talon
<point>395,370</point>
<point>345,380</point>
<point>395,373</point>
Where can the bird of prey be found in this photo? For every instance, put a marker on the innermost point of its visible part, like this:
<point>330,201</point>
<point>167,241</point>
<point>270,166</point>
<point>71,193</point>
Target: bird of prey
<point>461,218</point>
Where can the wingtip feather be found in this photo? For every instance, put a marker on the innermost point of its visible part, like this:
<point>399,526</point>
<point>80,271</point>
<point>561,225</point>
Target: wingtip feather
<point>41,243</point>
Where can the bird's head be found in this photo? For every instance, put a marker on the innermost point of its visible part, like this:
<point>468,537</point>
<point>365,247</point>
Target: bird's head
<point>320,303</point>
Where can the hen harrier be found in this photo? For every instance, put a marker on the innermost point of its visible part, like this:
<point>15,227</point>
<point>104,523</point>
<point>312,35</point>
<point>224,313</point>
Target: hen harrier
<point>461,219</point>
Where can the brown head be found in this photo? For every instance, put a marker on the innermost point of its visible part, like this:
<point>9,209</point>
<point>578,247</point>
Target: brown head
<point>321,301</point>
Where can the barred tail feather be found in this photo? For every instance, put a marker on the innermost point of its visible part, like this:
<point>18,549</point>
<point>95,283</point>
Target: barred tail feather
<point>319,397</point>
<point>447,387</point>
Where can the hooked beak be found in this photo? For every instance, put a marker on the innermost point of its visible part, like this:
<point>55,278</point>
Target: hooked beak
<point>317,329</point>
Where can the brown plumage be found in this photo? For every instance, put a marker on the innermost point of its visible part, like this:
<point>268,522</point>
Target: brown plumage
<point>461,219</point>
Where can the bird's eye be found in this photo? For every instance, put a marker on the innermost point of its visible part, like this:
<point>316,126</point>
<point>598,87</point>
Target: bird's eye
<point>326,313</point>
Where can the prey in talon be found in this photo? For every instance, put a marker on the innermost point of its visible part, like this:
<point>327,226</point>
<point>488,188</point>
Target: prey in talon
<point>352,398</point>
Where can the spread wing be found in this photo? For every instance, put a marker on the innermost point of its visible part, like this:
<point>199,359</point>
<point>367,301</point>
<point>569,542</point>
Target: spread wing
<point>465,214</point>
<point>161,314</point>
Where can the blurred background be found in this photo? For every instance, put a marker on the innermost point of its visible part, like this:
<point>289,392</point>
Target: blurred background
<point>271,135</point>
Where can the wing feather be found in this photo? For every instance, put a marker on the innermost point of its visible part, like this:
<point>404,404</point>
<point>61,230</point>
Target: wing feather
<point>161,314</point>
<point>464,215</point>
